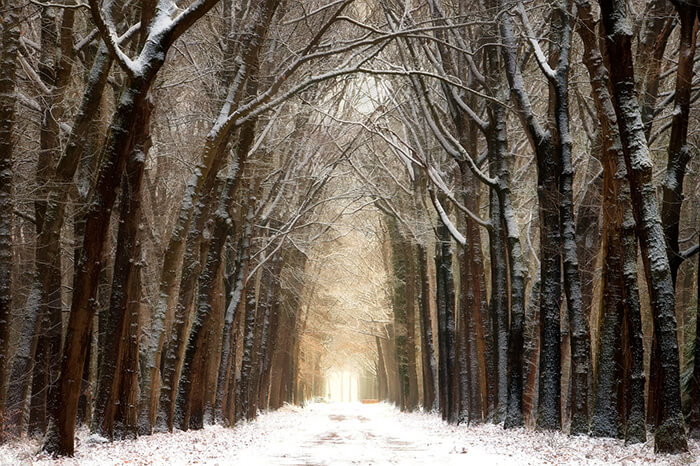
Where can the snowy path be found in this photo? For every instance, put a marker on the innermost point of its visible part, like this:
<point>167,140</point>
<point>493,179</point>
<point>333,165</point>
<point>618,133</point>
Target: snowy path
<point>349,434</point>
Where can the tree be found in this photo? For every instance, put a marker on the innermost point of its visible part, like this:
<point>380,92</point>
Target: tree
<point>669,435</point>
<point>9,43</point>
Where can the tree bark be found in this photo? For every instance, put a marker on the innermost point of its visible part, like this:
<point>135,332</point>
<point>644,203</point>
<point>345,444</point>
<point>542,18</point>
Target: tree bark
<point>548,180</point>
<point>655,31</point>
<point>60,438</point>
<point>118,331</point>
<point>412,401</point>
<point>679,153</point>
<point>55,68</point>
<point>694,421</point>
<point>200,183</point>
<point>430,400</point>
<point>619,392</point>
<point>446,323</point>
<point>9,45</point>
<point>670,434</point>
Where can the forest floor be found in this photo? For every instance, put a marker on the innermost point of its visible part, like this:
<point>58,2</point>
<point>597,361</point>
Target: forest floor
<point>350,433</point>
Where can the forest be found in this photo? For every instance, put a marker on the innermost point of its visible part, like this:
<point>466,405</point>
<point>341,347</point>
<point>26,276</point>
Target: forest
<point>489,209</point>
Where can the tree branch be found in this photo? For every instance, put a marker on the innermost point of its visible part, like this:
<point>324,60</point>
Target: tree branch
<point>109,36</point>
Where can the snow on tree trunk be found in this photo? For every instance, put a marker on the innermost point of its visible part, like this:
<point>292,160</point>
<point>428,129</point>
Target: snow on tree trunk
<point>200,183</point>
<point>446,322</point>
<point>669,434</point>
<point>195,256</point>
<point>618,408</point>
<point>118,146</point>
<point>499,298</point>
<point>119,320</point>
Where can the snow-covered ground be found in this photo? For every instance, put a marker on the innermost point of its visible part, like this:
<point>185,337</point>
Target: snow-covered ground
<point>351,433</point>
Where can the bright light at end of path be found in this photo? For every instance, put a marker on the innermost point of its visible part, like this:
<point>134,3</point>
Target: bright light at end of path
<point>342,386</point>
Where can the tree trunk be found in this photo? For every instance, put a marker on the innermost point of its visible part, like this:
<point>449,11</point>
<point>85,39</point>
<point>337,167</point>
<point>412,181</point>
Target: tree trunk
<point>499,300</point>
<point>116,151</point>
<point>242,388</point>
<point>174,348</point>
<point>619,392</point>
<point>694,421</point>
<point>655,31</point>
<point>118,331</point>
<point>515,343</point>
<point>670,434</point>
<point>580,336</point>
<point>9,44</point>
<point>55,67</point>
<point>49,236</point>
<point>678,151</point>
<point>531,351</point>
<point>273,332</point>
<point>446,323</point>
<point>549,196</point>
<point>412,402</point>
<point>430,400</point>
<point>199,184</point>
<point>400,273</point>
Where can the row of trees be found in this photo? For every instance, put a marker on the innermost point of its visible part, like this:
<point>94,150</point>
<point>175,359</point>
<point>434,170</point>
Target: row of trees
<point>166,222</point>
<point>594,347</point>
<point>158,223</point>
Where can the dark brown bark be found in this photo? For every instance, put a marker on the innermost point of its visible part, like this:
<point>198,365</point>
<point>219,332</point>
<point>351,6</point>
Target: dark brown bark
<point>580,336</point>
<point>191,394</point>
<point>195,256</point>
<point>531,350</point>
<point>430,400</point>
<point>243,384</point>
<point>9,44</point>
<point>274,296</point>
<point>619,394</point>
<point>670,434</point>
<point>655,31</point>
<point>694,420</point>
<point>548,163</point>
<point>515,351</point>
<point>227,366</point>
<point>126,416</point>
<point>608,406</point>
<point>118,330</point>
<point>115,153</point>
<point>84,297</point>
<point>481,344</point>
<point>201,183</point>
<point>399,269</point>
<point>412,401</point>
<point>499,300</point>
<point>49,236</point>
<point>552,148</point>
<point>446,323</point>
<point>55,67</point>
<point>679,153</point>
